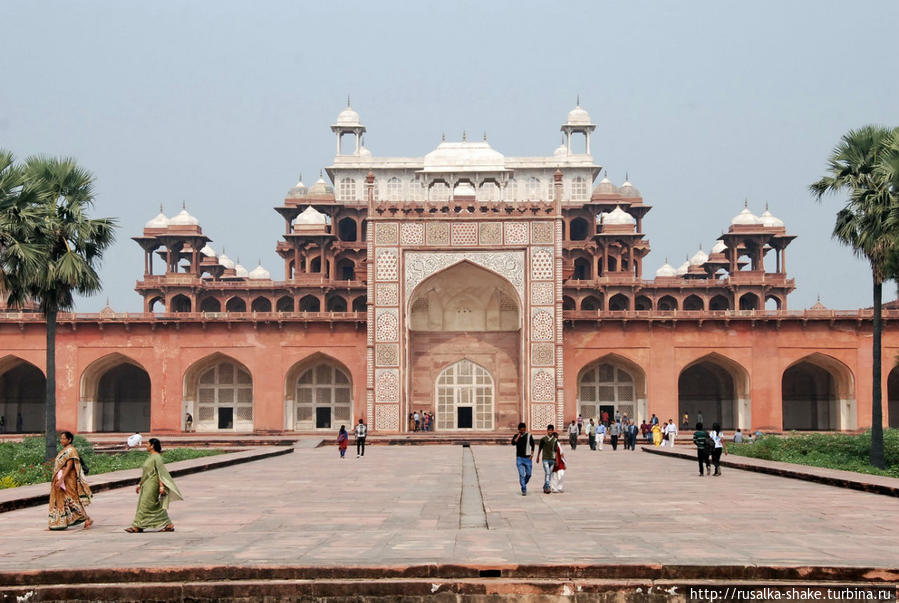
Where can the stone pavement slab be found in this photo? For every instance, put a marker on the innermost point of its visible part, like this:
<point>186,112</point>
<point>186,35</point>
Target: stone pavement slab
<point>401,506</point>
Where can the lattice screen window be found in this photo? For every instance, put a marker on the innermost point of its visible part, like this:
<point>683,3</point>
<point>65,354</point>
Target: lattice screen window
<point>323,386</point>
<point>347,189</point>
<point>225,385</point>
<point>394,189</point>
<point>440,192</point>
<point>535,188</point>
<point>606,385</point>
<point>488,192</point>
<point>464,384</point>
<point>579,189</point>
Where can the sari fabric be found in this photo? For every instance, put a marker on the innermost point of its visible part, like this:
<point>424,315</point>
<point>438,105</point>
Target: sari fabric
<point>152,509</point>
<point>656,435</point>
<point>67,504</point>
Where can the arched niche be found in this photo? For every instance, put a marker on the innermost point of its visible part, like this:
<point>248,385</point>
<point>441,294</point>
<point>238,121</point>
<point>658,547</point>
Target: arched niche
<point>719,303</point>
<point>23,393</point>
<point>609,383</point>
<point>236,304</point>
<point>568,303</point>
<point>749,301</point>
<point>318,395</point>
<point>115,396</point>
<point>347,229</point>
<point>335,303</point>
<point>210,304</point>
<point>818,393</point>
<point>218,393</point>
<point>666,303</point>
<point>693,303</point>
<point>579,229</point>
<point>642,303</point>
<point>717,387</point>
<point>591,303</point>
<point>180,303</point>
<point>261,304</point>
<point>619,303</point>
<point>465,397</point>
<point>285,304</point>
<point>360,303</point>
<point>310,303</point>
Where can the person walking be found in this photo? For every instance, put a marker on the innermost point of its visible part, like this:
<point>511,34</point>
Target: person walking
<point>686,421</point>
<point>600,434</point>
<point>671,432</point>
<point>614,432</point>
<point>645,430</point>
<point>523,465</point>
<point>573,431</point>
<point>555,482</point>
<point>156,489</point>
<point>342,441</point>
<point>361,434</point>
<point>546,448</point>
<point>720,446</point>
<point>605,418</point>
<point>702,453</point>
<point>632,431</point>
<point>654,420</point>
<point>580,424</point>
<point>416,419</point>
<point>656,435</point>
<point>69,491</point>
<point>591,434</point>
<point>188,422</point>
<point>699,417</point>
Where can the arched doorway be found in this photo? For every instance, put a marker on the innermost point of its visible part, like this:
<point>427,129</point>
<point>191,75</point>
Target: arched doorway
<point>122,399</point>
<point>893,398</point>
<point>715,389</point>
<point>236,304</point>
<point>219,395</point>
<point>610,385</point>
<point>817,395</point>
<point>323,397</point>
<point>619,303</point>
<point>464,397</point>
<point>465,313</point>
<point>23,396</point>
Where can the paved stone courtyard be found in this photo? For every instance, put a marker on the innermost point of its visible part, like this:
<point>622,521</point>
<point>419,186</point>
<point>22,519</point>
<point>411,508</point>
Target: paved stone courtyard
<point>403,505</point>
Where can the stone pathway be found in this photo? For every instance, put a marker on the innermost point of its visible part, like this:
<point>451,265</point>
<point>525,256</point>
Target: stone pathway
<point>403,506</point>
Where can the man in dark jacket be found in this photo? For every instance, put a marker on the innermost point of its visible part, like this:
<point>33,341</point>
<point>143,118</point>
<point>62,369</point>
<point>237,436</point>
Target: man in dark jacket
<point>702,454</point>
<point>521,441</point>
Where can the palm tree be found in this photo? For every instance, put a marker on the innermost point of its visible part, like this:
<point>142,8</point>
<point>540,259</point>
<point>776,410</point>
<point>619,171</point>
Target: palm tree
<point>867,225</point>
<point>18,218</point>
<point>69,245</point>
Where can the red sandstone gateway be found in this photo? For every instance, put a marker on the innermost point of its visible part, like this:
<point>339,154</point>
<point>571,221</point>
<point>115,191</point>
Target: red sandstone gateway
<point>481,288</point>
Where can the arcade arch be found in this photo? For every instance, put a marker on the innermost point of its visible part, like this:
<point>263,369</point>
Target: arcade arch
<point>579,229</point>
<point>318,395</point>
<point>310,303</point>
<point>464,395</point>
<point>719,303</point>
<point>261,304</point>
<point>115,396</point>
<point>236,304</point>
<point>817,394</point>
<point>335,303</point>
<point>23,392</point>
<point>667,303</point>
<point>619,303</point>
<point>612,383</point>
<point>749,301</point>
<point>218,392</point>
<point>717,388</point>
<point>210,304</point>
<point>693,303</point>
<point>285,304</point>
<point>893,398</point>
<point>591,303</point>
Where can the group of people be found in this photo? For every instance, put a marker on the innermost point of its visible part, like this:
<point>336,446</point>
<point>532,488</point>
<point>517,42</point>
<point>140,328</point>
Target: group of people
<point>548,450</point>
<point>421,420</point>
<point>343,439</point>
<point>70,492</point>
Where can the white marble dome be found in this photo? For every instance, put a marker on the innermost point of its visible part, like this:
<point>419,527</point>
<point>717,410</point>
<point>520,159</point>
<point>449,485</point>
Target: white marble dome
<point>260,274</point>
<point>321,189</point>
<point>699,258</point>
<point>770,221</point>
<point>605,187</point>
<point>682,269</point>
<point>745,218</point>
<point>561,151</point>
<point>240,271</point>
<point>160,221</point>
<point>666,270</point>
<point>628,190</point>
<point>298,191</point>
<point>718,247</point>
<point>208,251</point>
<point>618,216</point>
<point>578,117</point>
<point>183,219</point>
<point>348,117</point>
<point>225,261</point>
<point>364,152</point>
<point>311,216</point>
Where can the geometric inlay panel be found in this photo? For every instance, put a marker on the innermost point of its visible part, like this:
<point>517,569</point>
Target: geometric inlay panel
<point>542,415</point>
<point>516,233</point>
<point>387,385</point>
<point>387,265</point>
<point>419,265</point>
<point>386,233</point>
<point>386,325</point>
<point>542,261</point>
<point>412,233</point>
<point>464,234</point>
<point>542,233</point>
<point>542,354</point>
<point>387,294</point>
<point>388,354</point>
<point>543,326</point>
<point>542,293</point>
<point>491,233</point>
<point>543,385</point>
<point>387,417</point>
<point>438,233</point>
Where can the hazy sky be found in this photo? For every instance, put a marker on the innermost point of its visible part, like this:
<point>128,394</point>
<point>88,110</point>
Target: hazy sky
<point>222,104</point>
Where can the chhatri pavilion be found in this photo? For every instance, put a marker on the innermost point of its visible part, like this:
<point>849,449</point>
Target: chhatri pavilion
<point>483,288</point>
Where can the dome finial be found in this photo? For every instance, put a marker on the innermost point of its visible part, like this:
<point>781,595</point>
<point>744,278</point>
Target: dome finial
<point>183,204</point>
<point>320,174</point>
<point>464,136</point>
<point>443,137</point>
<point>766,206</point>
<point>746,202</point>
<point>627,177</point>
<point>485,135</point>
<point>348,101</point>
<point>160,208</point>
<point>301,176</point>
<point>578,99</point>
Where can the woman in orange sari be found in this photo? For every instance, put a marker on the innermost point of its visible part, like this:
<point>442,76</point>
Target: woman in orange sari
<point>69,492</point>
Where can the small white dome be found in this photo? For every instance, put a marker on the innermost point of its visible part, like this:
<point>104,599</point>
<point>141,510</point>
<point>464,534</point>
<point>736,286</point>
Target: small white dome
<point>578,117</point>
<point>321,189</point>
<point>226,261</point>
<point>240,271</point>
<point>298,191</point>
<point>718,247</point>
<point>605,187</point>
<point>666,270</point>
<point>464,189</point>
<point>745,218</point>
<point>160,221</point>
<point>618,216</point>
<point>260,274</point>
<point>363,152</point>
<point>183,219</point>
<point>699,258</point>
<point>682,269</point>
<point>561,151</point>
<point>348,117</point>
<point>770,221</point>
<point>628,190</point>
<point>208,251</point>
<point>311,216</point>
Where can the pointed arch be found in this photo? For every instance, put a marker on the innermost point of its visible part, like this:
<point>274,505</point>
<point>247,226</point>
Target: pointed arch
<point>818,392</point>
<point>464,392</point>
<point>666,303</point>
<point>114,395</point>
<point>318,394</point>
<point>609,383</point>
<point>693,303</point>
<point>210,304</point>
<point>717,387</point>
<point>236,304</point>
<point>285,304</point>
<point>23,393</point>
<point>218,392</point>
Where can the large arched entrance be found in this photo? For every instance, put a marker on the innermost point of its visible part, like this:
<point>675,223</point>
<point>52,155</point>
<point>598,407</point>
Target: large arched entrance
<point>464,397</point>
<point>893,398</point>
<point>612,384</point>
<point>817,395</point>
<point>23,396</point>
<point>219,394</point>
<point>464,324</point>
<point>714,389</point>
<point>115,396</point>
<point>319,395</point>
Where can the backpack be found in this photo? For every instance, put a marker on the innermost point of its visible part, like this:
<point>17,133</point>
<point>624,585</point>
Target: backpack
<point>709,445</point>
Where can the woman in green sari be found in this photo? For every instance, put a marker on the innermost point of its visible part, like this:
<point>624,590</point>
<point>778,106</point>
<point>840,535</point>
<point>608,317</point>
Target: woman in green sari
<point>156,490</point>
